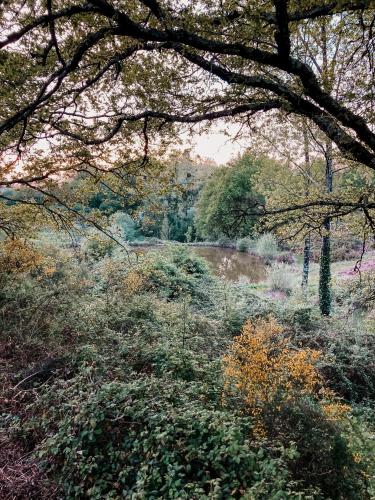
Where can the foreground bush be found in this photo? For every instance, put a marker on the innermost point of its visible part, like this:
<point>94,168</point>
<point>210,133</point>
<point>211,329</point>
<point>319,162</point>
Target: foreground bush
<point>153,438</point>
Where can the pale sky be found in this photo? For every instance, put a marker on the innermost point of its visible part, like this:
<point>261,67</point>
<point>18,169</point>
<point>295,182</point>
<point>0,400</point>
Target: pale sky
<point>217,147</point>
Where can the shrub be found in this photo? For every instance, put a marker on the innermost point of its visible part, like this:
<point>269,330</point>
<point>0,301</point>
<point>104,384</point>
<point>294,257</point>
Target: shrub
<point>350,362</point>
<point>301,318</point>
<point>243,245</point>
<point>153,437</point>
<point>325,459</point>
<point>281,278</point>
<point>282,389</point>
<point>224,241</point>
<point>286,258</point>
<point>18,256</point>
<point>188,261</point>
<point>189,235</point>
<point>40,307</point>
<point>176,272</point>
<point>265,370</point>
<point>124,227</point>
<point>358,294</point>
<point>97,247</point>
<point>138,407</point>
<point>349,352</point>
<point>266,246</point>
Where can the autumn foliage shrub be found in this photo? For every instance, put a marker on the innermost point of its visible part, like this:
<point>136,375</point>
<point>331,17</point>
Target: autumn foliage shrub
<point>265,370</point>
<point>20,256</point>
<point>281,388</point>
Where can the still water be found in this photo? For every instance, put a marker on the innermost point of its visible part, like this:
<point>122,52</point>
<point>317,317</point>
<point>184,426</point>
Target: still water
<point>233,265</point>
<point>228,263</point>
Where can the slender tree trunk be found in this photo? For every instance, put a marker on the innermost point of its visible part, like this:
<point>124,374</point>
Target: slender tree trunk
<point>325,289</point>
<point>307,244</point>
<point>306,261</point>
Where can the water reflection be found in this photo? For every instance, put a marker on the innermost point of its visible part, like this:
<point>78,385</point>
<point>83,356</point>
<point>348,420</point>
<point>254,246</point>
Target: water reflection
<point>227,263</point>
<point>233,265</point>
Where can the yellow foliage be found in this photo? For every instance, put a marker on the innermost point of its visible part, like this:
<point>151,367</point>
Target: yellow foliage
<point>20,256</point>
<point>134,282</point>
<point>17,256</point>
<point>263,367</point>
<point>266,371</point>
<point>334,410</point>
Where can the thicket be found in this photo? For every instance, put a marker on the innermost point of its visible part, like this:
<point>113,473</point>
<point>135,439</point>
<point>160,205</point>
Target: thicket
<point>117,384</point>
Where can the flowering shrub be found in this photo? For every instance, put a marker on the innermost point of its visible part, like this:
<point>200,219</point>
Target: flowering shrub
<point>265,370</point>
<point>283,391</point>
<point>134,282</point>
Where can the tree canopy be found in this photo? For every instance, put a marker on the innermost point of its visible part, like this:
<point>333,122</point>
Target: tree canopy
<point>100,86</point>
<point>226,198</point>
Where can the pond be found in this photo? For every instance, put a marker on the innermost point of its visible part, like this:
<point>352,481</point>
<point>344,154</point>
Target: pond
<point>233,265</point>
<point>228,263</point>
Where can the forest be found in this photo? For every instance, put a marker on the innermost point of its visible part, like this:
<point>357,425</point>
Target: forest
<point>175,324</point>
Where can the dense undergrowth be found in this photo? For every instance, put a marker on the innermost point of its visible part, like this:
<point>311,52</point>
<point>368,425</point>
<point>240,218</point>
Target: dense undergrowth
<point>126,377</point>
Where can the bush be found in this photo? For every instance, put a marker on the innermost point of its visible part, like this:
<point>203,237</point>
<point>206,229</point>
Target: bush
<point>243,245</point>
<point>349,365</point>
<point>349,352</point>
<point>283,391</point>
<point>136,407</point>
<point>281,278</point>
<point>176,272</point>
<point>43,307</point>
<point>266,246</point>
<point>97,247</point>
<point>153,437</point>
<point>325,460</point>
<point>224,241</point>
<point>265,371</point>
<point>124,226</point>
<point>302,318</point>
<point>358,294</point>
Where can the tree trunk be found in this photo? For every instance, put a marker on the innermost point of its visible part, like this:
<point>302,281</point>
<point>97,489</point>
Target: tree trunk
<point>325,290</point>
<point>306,261</point>
<point>307,245</point>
